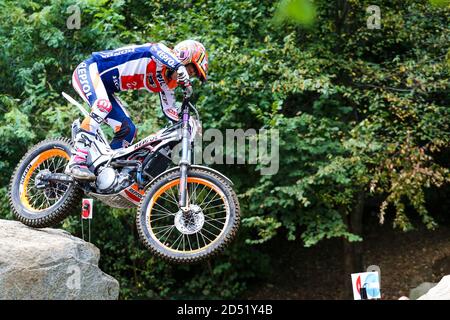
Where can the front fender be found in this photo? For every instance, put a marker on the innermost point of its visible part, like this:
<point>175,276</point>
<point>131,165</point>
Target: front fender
<point>192,167</point>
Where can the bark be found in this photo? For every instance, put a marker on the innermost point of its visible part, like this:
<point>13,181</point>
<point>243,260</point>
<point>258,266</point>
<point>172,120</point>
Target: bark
<point>353,250</point>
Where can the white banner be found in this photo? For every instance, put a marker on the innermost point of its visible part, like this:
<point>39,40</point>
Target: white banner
<point>366,285</point>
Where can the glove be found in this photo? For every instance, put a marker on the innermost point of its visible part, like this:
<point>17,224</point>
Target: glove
<point>183,77</point>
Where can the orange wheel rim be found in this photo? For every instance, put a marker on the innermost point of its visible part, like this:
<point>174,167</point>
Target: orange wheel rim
<point>29,199</point>
<point>204,225</point>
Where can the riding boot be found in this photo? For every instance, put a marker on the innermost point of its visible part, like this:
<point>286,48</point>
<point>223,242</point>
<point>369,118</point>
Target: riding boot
<point>77,166</point>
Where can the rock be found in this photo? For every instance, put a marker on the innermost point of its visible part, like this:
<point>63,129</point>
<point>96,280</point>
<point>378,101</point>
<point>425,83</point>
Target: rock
<point>439,292</point>
<point>50,264</point>
<point>420,290</point>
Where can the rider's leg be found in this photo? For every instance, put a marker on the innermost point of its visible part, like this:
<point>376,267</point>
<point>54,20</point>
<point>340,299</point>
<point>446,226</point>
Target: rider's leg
<point>120,121</point>
<point>87,83</point>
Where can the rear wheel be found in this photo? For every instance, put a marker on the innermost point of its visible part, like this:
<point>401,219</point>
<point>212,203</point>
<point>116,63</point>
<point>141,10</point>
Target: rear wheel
<point>205,230</point>
<point>38,203</point>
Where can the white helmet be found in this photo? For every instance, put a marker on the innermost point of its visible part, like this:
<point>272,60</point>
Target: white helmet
<point>191,51</point>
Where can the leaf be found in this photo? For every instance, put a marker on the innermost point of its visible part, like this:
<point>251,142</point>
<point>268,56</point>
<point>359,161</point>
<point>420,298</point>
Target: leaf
<point>299,11</point>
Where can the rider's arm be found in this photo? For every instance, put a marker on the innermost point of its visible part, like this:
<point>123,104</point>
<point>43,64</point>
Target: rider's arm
<point>167,99</point>
<point>164,55</point>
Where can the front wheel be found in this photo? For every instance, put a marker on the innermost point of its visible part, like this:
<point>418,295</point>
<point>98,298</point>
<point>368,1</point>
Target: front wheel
<point>185,237</point>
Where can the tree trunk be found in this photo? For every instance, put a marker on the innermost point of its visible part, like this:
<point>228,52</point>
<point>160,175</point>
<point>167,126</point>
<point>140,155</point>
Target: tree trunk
<point>353,250</point>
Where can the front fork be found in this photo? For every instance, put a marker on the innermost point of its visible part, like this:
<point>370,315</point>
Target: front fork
<point>185,161</point>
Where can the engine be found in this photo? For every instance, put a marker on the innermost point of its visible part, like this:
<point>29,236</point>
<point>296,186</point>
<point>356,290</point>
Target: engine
<point>158,162</point>
<point>109,180</point>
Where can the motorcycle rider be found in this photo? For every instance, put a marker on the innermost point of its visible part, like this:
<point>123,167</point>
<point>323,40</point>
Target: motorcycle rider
<point>151,66</point>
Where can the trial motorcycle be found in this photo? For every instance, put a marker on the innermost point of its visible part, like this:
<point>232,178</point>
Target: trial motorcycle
<point>186,212</point>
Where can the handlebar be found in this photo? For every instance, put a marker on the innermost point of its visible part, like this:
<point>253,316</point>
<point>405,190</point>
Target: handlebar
<point>186,104</point>
<point>188,91</point>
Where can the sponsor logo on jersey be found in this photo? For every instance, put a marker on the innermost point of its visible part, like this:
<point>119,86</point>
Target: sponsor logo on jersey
<point>172,113</point>
<point>104,105</point>
<point>96,117</point>
<point>130,82</point>
<point>160,77</point>
<point>163,97</point>
<point>115,53</point>
<point>116,81</point>
<point>83,80</point>
<point>166,58</point>
<point>151,81</point>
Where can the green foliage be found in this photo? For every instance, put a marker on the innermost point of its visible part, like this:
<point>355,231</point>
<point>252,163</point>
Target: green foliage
<point>300,11</point>
<point>357,109</point>
<point>440,3</point>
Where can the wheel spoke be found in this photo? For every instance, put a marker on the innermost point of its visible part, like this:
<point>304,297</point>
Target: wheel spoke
<point>164,229</point>
<point>189,242</point>
<point>217,220</point>
<point>164,209</point>
<point>206,205</point>
<point>34,202</point>
<point>219,205</point>
<point>213,226</point>
<point>61,163</point>
<point>201,191</point>
<point>52,163</point>
<point>204,236</point>
<point>161,227</point>
<point>41,205</point>
<point>58,190</point>
<point>168,231</point>
<point>215,235</point>
<point>48,201</point>
<point>39,196</point>
<point>179,237</point>
<point>198,241</point>
<point>211,233</point>
<point>168,236</point>
<point>173,196</point>
<point>204,199</point>
<point>190,187</point>
<point>161,214</point>
<point>167,212</point>
<point>211,214</point>
<point>153,220</point>
<point>168,200</point>
<point>32,196</point>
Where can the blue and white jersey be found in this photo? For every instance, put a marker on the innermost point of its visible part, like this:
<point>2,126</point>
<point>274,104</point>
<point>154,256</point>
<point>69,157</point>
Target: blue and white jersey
<point>130,67</point>
<point>136,67</point>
